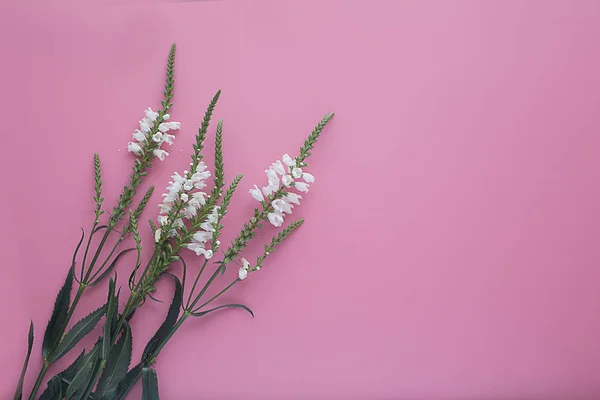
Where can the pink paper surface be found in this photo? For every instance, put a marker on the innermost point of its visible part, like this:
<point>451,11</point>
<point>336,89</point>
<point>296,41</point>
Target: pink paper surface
<point>450,245</point>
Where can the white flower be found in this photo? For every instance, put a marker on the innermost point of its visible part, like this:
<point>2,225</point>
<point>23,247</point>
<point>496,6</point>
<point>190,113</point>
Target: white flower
<point>275,218</point>
<point>166,117</point>
<point>160,154</point>
<point>273,179</point>
<point>190,212</point>
<point>157,137</point>
<point>301,186</point>
<point>256,194</point>
<point>139,136</point>
<point>163,127</point>
<point>282,206</point>
<point>157,235</point>
<point>200,176</point>
<point>178,223</point>
<point>277,166</point>
<point>151,115</point>
<point>163,219</point>
<point>168,138</point>
<point>287,180</point>
<point>288,161</point>
<point>207,226</point>
<point>184,197</point>
<point>145,125</point>
<point>202,236</point>
<point>213,217</point>
<point>293,198</point>
<point>173,125</point>
<point>134,148</point>
<point>308,177</point>
<point>199,249</point>
<point>267,191</point>
<point>242,273</point>
<point>178,178</point>
<point>199,198</point>
<point>188,185</point>
<point>297,172</point>
<point>165,208</point>
<point>245,263</point>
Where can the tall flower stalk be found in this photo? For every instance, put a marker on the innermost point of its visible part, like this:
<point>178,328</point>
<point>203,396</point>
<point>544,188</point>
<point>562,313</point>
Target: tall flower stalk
<point>94,271</point>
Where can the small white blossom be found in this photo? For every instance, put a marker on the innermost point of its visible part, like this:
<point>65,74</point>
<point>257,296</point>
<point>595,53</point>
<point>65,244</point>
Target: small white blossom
<point>287,180</point>
<point>245,263</point>
<point>275,218</point>
<point>242,273</point>
<point>165,208</point>
<point>173,125</point>
<point>145,125</point>
<point>277,166</point>
<point>267,191</point>
<point>163,127</point>
<point>134,148</point>
<point>140,136</point>
<point>288,161</point>
<point>202,236</point>
<point>308,177</point>
<point>160,154</point>
<point>256,194</point>
<point>157,137</point>
<point>151,115</point>
<point>297,172</point>
<point>184,197</point>
<point>293,198</point>
<point>166,117</point>
<point>301,186</point>
<point>163,219</point>
<point>157,235</point>
<point>282,206</point>
<point>273,179</point>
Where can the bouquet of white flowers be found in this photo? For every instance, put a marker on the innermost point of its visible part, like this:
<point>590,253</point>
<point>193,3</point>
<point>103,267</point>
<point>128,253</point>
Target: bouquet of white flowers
<point>190,218</point>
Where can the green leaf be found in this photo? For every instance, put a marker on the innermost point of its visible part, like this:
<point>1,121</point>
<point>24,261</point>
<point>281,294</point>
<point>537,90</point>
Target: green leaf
<point>54,390</point>
<point>58,319</point>
<point>149,384</point>
<point>77,332</point>
<point>81,379</point>
<point>128,382</point>
<point>19,391</point>
<point>110,267</point>
<point>99,227</point>
<point>201,313</point>
<point>116,366</point>
<point>163,332</point>
<point>111,309</point>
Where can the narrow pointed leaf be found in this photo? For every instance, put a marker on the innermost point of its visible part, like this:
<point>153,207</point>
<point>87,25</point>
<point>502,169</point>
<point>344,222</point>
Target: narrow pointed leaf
<point>54,390</point>
<point>116,366</point>
<point>111,310</point>
<point>162,332</point>
<point>243,307</point>
<point>99,227</point>
<point>59,315</point>
<point>81,379</point>
<point>19,391</point>
<point>149,384</point>
<point>112,265</point>
<point>77,332</point>
<point>128,382</point>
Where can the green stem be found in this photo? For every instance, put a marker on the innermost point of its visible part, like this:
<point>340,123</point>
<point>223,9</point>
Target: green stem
<point>187,304</point>
<point>39,380</point>
<point>217,295</point>
<point>87,246</point>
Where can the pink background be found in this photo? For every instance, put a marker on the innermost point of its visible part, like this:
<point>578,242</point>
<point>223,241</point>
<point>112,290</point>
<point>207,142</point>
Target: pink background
<point>451,243</point>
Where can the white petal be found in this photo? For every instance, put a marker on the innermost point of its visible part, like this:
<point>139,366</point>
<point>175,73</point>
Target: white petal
<point>242,273</point>
<point>134,148</point>
<point>160,154</point>
<point>166,117</point>
<point>267,191</point>
<point>308,177</point>
<point>273,179</point>
<point>163,127</point>
<point>183,197</point>
<point>139,136</point>
<point>287,180</point>
<point>288,160</point>
<point>245,263</point>
<point>276,218</point>
<point>202,236</point>
<point>157,137</point>
<point>151,115</point>
<point>165,208</point>
<point>293,198</point>
<point>297,173</point>
<point>277,166</point>
<point>157,235</point>
<point>256,194</point>
<point>174,125</point>
<point>301,186</point>
<point>282,206</point>
<point>163,219</point>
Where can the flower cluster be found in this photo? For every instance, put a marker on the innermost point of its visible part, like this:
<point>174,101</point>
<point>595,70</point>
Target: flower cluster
<point>277,176</point>
<point>201,237</point>
<point>159,136</point>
